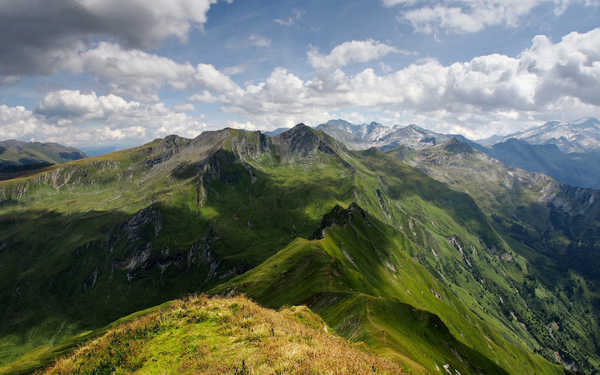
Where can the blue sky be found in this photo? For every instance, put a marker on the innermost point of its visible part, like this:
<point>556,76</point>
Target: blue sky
<point>114,72</point>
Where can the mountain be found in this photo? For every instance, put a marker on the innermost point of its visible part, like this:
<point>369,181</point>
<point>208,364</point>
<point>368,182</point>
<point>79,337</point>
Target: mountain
<point>364,136</point>
<point>434,278</point>
<point>17,157</point>
<point>100,150</point>
<point>550,224</point>
<point>579,169</point>
<point>579,136</point>
<point>575,168</point>
<point>272,342</point>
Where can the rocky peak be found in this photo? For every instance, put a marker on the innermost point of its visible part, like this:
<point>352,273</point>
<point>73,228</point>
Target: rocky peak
<point>340,216</point>
<point>302,140</point>
<point>458,146</point>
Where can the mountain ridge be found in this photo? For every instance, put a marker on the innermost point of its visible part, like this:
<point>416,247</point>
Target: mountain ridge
<point>187,215</point>
<point>582,135</point>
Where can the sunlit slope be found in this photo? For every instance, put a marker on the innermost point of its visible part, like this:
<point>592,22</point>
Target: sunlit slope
<point>199,335</point>
<point>553,226</point>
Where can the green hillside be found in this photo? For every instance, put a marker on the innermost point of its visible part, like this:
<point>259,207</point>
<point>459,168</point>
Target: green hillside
<point>198,335</point>
<point>17,158</point>
<point>552,225</point>
<point>382,252</point>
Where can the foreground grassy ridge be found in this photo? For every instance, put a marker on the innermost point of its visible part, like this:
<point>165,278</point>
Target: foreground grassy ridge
<point>200,335</point>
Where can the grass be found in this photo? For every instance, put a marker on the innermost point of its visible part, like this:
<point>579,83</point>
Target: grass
<point>361,280</point>
<point>200,335</point>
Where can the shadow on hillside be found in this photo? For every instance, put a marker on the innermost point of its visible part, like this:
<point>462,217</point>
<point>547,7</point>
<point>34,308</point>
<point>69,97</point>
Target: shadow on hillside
<point>63,273</point>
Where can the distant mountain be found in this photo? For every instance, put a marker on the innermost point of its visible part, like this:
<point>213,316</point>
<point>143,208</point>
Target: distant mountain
<point>575,168</point>
<point>364,136</point>
<point>579,136</point>
<point>100,150</point>
<point>17,156</point>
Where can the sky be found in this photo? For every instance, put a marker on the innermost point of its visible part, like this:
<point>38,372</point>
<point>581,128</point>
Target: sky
<point>123,72</point>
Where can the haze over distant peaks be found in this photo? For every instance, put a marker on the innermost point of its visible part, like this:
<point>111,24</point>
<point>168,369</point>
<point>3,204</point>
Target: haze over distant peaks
<point>577,136</point>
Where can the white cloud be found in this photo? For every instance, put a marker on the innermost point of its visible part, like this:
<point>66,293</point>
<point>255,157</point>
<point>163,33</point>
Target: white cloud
<point>486,94</point>
<point>68,104</point>
<point>242,125</point>
<point>61,28</point>
<point>140,75</point>
<point>468,16</point>
<point>360,51</point>
<point>259,41</point>
<point>204,97</point>
<point>73,117</point>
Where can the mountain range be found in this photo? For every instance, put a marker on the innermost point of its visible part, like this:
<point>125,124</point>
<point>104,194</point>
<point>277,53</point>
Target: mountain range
<point>568,152</point>
<point>578,136</point>
<point>439,258</point>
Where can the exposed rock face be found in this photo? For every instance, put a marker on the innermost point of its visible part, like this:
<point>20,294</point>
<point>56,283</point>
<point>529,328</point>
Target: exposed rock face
<point>303,141</point>
<point>133,249</point>
<point>165,149</point>
<point>134,228</point>
<point>339,216</point>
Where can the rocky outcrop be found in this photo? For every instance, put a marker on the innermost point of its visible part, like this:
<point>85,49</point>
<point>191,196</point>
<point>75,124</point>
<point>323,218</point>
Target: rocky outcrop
<point>339,216</point>
<point>134,229</point>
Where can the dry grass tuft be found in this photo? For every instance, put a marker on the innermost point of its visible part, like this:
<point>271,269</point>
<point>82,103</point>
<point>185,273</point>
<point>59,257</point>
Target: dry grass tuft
<point>202,335</point>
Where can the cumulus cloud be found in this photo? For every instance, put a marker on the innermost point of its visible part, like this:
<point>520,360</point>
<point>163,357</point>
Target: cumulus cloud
<point>37,36</point>
<point>73,117</point>
<point>130,72</point>
<point>548,79</point>
<point>140,75</point>
<point>348,52</point>
<point>65,105</point>
<point>468,16</point>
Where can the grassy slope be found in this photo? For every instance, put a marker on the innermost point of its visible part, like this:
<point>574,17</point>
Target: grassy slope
<point>556,294</point>
<point>244,213</point>
<point>199,335</point>
<point>27,152</point>
<point>363,281</point>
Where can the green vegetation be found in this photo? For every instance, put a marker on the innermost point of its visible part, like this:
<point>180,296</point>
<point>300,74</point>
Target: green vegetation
<point>553,228</point>
<point>419,274</point>
<point>20,158</point>
<point>199,335</point>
